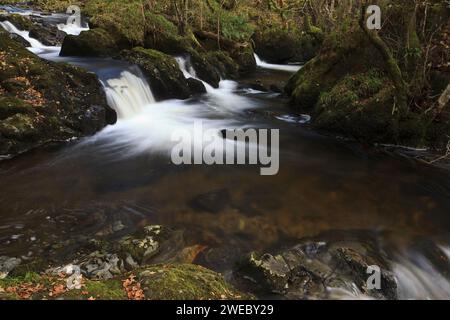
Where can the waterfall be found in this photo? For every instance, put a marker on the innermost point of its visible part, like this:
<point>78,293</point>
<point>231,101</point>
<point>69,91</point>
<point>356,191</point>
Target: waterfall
<point>189,72</point>
<point>36,46</point>
<point>129,94</point>
<point>281,67</point>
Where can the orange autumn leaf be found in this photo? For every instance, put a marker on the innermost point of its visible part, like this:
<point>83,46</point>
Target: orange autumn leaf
<point>133,288</point>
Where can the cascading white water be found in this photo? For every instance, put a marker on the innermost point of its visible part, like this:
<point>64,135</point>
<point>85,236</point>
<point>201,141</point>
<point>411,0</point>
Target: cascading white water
<point>129,94</point>
<point>223,99</point>
<point>35,46</point>
<point>281,67</point>
<point>419,279</point>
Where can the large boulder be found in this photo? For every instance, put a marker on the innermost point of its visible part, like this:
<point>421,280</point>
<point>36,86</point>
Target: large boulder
<point>164,75</point>
<point>92,43</point>
<point>41,101</point>
<point>277,45</point>
<point>185,282</point>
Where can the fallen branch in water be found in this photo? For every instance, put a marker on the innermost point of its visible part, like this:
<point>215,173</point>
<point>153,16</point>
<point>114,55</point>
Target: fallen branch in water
<point>445,156</point>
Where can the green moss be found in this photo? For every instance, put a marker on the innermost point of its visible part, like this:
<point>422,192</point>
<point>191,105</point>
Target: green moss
<point>185,282</point>
<point>9,106</point>
<point>227,67</point>
<point>102,290</point>
<point>19,127</point>
<point>96,43</point>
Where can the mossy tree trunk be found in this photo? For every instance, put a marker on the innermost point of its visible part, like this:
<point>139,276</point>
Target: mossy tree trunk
<point>391,64</point>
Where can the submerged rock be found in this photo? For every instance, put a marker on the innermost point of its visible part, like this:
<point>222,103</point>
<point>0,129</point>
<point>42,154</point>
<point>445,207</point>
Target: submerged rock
<point>213,201</point>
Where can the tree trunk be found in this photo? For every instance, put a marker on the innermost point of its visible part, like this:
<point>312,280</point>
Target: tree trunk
<point>390,62</point>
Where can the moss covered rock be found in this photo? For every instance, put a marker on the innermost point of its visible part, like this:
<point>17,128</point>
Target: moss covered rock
<point>279,45</point>
<point>92,43</point>
<point>185,282</point>
<point>41,101</point>
<point>164,75</point>
<point>157,282</point>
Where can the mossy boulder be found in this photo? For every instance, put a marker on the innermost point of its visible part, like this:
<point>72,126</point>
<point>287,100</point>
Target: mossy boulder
<point>225,65</point>
<point>185,282</point>
<point>347,90</point>
<point>42,101</point>
<point>162,71</point>
<point>19,21</point>
<point>342,54</point>
<point>92,43</point>
<point>361,106</point>
<point>279,45</point>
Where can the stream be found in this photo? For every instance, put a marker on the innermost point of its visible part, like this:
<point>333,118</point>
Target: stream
<point>123,176</point>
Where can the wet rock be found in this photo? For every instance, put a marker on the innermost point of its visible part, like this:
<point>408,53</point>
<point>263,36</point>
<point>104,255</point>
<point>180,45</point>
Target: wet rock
<point>152,244</point>
<point>275,88</point>
<point>41,101</point>
<point>224,64</point>
<point>204,69</point>
<point>214,201</point>
<point>48,35</point>
<point>196,86</point>
<point>142,249</point>
<point>21,22</point>
<point>102,266</point>
<point>92,43</point>
<point>162,71</point>
<point>8,264</point>
<point>19,39</point>
<point>317,270</point>
<point>276,45</point>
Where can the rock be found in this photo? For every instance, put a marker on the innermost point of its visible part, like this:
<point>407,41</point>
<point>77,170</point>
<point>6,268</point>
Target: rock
<point>7,265</point>
<point>162,71</point>
<point>152,244</point>
<point>48,35</point>
<point>316,270</point>
<point>204,69</point>
<point>185,282</point>
<point>214,201</point>
<point>141,249</point>
<point>275,88</point>
<point>92,43</point>
<point>102,266</point>
<point>244,56</point>
<point>196,86</point>
<point>224,64</point>
<point>276,45</point>
<point>42,101</point>
<point>19,39</point>
<point>21,22</point>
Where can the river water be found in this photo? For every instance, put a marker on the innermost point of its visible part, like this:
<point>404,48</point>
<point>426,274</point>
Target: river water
<point>123,176</point>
